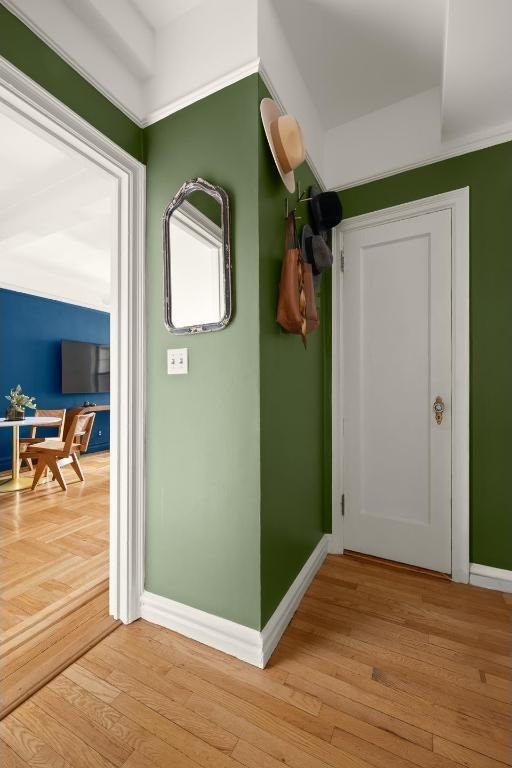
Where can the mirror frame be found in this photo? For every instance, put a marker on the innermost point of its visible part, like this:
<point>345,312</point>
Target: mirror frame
<point>219,194</point>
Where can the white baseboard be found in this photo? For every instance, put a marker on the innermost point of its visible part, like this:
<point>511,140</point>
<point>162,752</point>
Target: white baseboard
<point>247,644</point>
<point>228,636</point>
<point>490,578</point>
<point>282,616</point>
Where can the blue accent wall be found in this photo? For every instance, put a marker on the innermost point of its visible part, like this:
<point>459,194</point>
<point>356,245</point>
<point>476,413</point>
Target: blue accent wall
<point>31,329</point>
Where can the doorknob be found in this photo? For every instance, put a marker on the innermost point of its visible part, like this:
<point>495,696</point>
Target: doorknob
<point>439,409</point>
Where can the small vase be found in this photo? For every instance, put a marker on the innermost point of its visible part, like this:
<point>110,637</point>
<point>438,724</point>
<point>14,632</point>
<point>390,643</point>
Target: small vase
<point>14,414</point>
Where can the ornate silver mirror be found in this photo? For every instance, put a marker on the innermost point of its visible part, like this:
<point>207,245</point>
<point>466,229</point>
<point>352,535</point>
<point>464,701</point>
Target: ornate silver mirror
<point>197,260</point>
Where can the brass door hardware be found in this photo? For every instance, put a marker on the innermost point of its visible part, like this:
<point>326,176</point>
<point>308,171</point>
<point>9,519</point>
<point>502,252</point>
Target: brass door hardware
<point>439,409</point>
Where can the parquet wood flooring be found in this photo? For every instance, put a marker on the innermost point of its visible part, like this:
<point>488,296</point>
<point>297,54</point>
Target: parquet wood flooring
<point>53,578</point>
<point>379,668</point>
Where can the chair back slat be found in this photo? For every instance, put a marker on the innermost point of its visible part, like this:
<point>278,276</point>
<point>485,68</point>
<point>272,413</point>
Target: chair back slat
<point>79,433</point>
<point>85,424</point>
<point>58,414</point>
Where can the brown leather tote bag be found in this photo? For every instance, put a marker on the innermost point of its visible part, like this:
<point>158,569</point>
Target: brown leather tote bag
<point>291,305</point>
<point>296,308</point>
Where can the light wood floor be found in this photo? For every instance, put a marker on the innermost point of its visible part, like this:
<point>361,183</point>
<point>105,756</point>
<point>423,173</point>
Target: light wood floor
<point>380,667</point>
<point>53,577</point>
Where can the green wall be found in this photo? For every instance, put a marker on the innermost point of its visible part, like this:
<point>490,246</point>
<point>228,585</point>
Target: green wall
<point>20,46</point>
<point>488,174</point>
<point>291,404</point>
<point>205,494</point>
<point>235,450</point>
<point>203,508</point>
<point>238,451</point>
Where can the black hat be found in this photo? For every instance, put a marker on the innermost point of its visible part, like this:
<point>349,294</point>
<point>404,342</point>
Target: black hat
<point>326,210</point>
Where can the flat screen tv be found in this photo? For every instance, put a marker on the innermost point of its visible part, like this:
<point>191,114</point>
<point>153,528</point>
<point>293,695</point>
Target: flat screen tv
<point>85,367</point>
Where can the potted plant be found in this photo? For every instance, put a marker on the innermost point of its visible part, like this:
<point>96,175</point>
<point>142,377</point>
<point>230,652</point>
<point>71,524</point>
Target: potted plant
<point>18,403</point>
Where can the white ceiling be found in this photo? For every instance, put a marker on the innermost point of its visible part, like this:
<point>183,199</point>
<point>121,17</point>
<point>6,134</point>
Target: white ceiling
<point>356,56</point>
<point>56,219</point>
<point>132,42</point>
<point>159,13</point>
<point>377,85</point>
<point>477,86</point>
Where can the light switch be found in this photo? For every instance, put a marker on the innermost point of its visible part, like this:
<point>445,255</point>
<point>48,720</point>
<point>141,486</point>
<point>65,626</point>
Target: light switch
<point>177,361</point>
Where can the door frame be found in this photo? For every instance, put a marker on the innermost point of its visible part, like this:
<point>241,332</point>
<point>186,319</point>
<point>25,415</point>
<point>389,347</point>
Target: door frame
<point>457,201</point>
<point>58,123</point>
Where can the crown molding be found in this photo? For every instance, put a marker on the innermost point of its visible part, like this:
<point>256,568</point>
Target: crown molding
<point>452,149</point>
<point>217,85</point>
<point>501,136</point>
<point>200,93</point>
<point>42,294</point>
<point>60,51</point>
<point>154,116</point>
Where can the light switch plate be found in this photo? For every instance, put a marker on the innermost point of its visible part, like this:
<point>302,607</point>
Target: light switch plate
<point>177,361</point>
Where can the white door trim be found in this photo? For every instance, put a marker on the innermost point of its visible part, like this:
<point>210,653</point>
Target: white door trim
<point>458,202</point>
<point>58,123</point>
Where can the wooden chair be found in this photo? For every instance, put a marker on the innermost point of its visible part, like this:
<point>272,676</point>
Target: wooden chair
<point>26,443</point>
<point>54,453</point>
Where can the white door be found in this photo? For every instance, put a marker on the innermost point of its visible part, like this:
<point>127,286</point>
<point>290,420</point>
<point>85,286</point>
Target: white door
<point>397,361</point>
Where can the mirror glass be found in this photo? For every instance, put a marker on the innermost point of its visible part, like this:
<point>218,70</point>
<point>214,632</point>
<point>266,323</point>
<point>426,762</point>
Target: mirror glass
<point>197,259</point>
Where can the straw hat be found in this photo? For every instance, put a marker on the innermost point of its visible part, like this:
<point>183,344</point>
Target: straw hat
<point>285,140</point>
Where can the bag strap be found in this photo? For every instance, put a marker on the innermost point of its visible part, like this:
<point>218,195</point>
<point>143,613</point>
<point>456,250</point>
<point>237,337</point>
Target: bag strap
<point>302,300</point>
<point>291,242</point>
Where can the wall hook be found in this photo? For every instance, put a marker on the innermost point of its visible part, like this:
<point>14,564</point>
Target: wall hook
<point>300,199</point>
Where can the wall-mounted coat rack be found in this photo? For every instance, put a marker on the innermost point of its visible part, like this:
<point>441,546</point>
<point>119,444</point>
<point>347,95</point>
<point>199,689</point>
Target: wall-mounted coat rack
<point>300,199</point>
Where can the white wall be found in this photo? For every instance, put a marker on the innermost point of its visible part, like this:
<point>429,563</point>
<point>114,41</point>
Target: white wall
<point>477,87</point>
<point>377,144</point>
<point>402,136</point>
<point>79,44</point>
<point>158,56</point>
<point>280,72</point>
<point>132,41</point>
<point>203,50</point>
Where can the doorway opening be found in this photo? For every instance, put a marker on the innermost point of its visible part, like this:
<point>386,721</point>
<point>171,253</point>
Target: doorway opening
<point>71,304</point>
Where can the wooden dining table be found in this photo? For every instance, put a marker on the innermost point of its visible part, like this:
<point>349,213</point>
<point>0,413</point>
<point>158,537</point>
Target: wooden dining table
<point>15,482</point>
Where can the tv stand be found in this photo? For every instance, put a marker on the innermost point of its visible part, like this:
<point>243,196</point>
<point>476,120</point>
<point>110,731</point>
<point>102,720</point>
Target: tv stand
<point>72,412</point>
